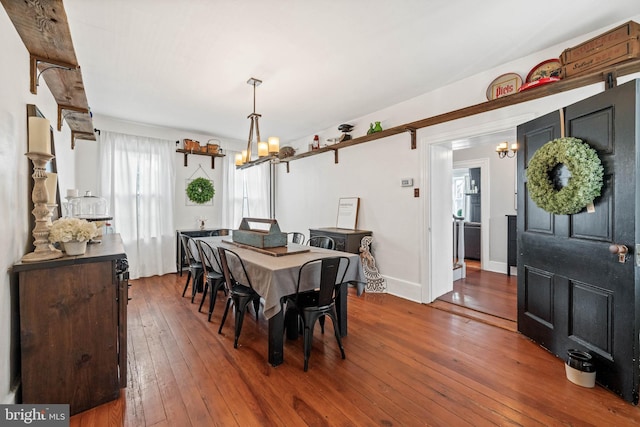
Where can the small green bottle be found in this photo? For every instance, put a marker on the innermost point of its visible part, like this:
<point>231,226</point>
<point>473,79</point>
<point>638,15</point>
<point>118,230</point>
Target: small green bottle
<point>370,131</point>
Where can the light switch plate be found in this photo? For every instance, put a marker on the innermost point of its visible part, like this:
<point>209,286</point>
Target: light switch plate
<point>406,182</point>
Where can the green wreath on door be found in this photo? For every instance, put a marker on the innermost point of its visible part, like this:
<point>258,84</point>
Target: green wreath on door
<point>584,185</point>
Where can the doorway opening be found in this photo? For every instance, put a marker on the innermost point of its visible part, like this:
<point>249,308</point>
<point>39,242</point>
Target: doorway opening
<point>482,194</point>
<point>467,214</point>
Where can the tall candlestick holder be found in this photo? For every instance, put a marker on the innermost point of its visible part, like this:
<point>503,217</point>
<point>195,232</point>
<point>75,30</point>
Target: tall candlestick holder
<point>43,249</point>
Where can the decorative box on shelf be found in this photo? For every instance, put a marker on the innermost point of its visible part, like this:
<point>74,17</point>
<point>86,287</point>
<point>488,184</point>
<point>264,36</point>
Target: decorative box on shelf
<point>617,45</point>
<point>259,237</point>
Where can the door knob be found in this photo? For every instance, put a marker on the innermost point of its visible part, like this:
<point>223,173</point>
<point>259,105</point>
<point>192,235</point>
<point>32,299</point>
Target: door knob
<point>621,250</point>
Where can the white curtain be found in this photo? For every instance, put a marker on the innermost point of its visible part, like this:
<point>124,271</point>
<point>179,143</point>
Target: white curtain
<point>247,192</point>
<point>137,177</point>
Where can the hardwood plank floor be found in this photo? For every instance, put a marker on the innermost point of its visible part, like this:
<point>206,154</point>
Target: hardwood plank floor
<point>407,364</point>
<point>483,295</point>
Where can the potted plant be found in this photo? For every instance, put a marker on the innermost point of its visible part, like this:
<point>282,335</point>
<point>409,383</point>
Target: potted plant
<point>73,234</point>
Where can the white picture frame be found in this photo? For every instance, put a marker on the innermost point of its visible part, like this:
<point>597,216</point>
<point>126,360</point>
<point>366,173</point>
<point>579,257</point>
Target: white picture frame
<point>348,213</point>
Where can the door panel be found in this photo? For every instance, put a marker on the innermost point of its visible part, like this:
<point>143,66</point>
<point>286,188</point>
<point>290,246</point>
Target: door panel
<point>591,317</point>
<point>545,129</point>
<point>597,225</point>
<point>573,293</point>
<point>539,296</point>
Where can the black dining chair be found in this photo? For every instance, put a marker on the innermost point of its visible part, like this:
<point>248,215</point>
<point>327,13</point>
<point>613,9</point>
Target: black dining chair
<point>214,279</point>
<point>195,266</point>
<point>325,242</point>
<point>240,293</point>
<point>315,304</point>
<point>295,237</point>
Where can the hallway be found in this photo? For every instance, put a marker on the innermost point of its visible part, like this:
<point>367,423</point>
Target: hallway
<point>483,295</point>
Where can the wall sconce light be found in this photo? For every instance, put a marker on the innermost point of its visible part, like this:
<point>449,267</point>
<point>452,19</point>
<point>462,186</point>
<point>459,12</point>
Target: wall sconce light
<point>503,150</point>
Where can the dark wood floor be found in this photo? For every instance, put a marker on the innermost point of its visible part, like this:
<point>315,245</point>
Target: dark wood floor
<point>407,364</point>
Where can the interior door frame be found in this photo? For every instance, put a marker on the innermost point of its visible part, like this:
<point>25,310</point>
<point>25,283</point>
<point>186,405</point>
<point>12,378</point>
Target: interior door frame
<point>431,268</point>
<point>485,191</point>
<point>440,221</point>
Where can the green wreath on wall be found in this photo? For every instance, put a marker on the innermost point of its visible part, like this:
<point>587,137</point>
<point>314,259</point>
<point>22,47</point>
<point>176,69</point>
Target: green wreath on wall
<point>584,185</point>
<point>200,190</point>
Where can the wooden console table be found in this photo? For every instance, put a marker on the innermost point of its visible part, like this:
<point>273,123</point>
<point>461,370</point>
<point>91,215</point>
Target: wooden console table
<point>346,240</point>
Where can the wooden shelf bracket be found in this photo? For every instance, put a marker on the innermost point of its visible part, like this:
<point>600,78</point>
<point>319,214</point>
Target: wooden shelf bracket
<point>72,110</point>
<point>414,144</point>
<point>80,135</point>
<point>34,76</point>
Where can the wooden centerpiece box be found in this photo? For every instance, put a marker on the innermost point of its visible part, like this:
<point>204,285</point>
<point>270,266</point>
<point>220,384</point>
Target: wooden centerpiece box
<point>267,236</point>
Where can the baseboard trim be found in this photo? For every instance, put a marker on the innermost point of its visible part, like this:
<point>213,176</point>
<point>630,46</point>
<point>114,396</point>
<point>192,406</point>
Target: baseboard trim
<point>403,289</point>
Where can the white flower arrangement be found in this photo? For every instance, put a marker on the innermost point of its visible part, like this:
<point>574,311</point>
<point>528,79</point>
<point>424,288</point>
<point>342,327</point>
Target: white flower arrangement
<point>68,229</point>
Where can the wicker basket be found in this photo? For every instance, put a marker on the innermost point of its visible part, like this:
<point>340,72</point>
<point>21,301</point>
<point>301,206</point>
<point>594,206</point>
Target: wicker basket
<point>191,145</point>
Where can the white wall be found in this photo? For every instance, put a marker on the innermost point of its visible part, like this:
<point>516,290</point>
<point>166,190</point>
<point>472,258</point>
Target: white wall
<point>15,175</point>
<point>87,163</point>
<point>373,170</point>
<point>308,198</point>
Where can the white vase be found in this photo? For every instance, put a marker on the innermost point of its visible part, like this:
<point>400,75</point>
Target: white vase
<point>75,248</point>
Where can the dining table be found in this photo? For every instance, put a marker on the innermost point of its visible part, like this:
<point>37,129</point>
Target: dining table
<point>274,276</point>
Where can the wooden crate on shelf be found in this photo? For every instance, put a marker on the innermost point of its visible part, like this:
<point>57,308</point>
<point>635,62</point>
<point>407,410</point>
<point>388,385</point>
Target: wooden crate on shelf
<point>615,46</point>
<point>612,55</point>
<point>625,32</point>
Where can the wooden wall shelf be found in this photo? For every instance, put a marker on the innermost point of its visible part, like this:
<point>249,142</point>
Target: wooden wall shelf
<point>608,75</point>
<point>199,153</point>
<point>44,30</point>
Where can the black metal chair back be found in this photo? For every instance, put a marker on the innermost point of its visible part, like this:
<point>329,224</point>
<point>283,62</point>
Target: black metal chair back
<point>332,273</point>
<point>240,292</point>
<point>209,257</point>
<point>325,242</point>
<point>315,304</point>
<point>295,237</point>
<point>214,279</point>
<point>195,266</point>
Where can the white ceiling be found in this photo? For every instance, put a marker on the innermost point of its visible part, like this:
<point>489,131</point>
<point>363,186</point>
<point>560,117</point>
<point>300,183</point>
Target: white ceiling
<point>184,64</point>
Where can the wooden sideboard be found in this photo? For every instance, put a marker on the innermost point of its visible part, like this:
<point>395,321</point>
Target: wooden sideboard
<point>73,326</point>
<point>346,240</point>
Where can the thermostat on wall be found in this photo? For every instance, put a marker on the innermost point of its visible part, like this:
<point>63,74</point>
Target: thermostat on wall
<point>407,182</point>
